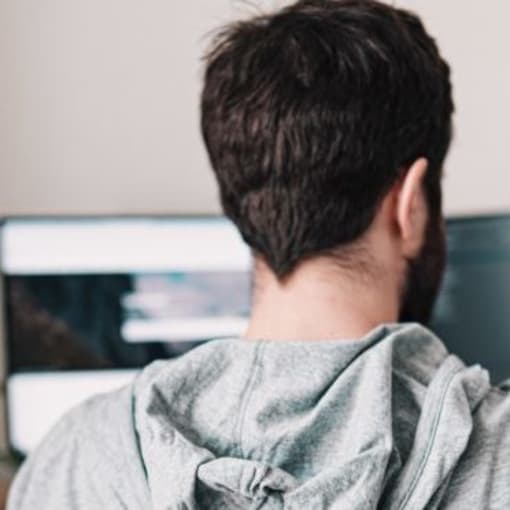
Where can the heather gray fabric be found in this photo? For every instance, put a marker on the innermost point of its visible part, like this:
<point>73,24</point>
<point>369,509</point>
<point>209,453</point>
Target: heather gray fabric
<point>389,421</point>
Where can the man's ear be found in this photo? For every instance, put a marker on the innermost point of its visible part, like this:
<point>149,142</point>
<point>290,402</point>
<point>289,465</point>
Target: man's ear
<point>411,209</point>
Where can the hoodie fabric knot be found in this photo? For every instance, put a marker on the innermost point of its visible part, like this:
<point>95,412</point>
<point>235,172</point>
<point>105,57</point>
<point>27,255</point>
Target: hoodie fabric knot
<point>239,483</point>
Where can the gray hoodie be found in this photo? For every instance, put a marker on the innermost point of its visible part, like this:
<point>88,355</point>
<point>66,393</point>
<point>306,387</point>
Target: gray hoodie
<point>389,421</point>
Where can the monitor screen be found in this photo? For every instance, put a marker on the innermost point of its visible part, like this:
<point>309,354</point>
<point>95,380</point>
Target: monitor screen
<point>472,312</point>
<point>90,301</point>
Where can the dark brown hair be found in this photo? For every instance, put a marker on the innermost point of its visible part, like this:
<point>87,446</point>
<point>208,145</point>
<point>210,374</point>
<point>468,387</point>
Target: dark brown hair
<point>310,115</point>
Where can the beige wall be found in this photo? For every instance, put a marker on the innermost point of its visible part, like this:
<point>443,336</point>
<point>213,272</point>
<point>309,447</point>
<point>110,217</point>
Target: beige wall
<point>474,37</point>
<point>98,103</point>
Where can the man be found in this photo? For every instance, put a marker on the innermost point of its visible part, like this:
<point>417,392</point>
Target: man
<point>327,124</point>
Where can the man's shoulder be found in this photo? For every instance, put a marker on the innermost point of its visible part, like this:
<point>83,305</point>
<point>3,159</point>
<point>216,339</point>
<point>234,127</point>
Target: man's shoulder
<point>483,475</point>
<point>492,418</point>
<point>87,459</point>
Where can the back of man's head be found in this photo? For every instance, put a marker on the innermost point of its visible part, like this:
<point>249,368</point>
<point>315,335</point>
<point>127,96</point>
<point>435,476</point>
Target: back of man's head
<point>311,114</point>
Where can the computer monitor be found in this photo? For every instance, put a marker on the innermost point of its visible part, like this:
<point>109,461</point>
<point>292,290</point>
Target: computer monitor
<point>472,313</point>
<point>88,302</point>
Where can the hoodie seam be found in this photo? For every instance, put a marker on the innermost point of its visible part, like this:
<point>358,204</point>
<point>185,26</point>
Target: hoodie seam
<point>428,451</point>
<point>246,398</point>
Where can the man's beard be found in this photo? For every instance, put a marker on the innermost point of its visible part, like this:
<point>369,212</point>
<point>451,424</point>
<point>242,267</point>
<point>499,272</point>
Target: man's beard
<point>424,276</point>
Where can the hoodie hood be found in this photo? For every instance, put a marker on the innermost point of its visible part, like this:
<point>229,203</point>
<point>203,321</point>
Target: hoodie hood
<point>379,422</point>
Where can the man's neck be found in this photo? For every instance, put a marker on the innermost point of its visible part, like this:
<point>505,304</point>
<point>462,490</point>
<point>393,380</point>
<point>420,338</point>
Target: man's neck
<point>320,303</point>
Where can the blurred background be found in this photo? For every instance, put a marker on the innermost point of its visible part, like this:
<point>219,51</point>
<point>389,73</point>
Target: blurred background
<point>99,103</point>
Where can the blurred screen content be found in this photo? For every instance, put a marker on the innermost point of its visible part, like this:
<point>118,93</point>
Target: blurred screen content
<point>80,322</point>
<point>89,302</point>
<point>472,312</point>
